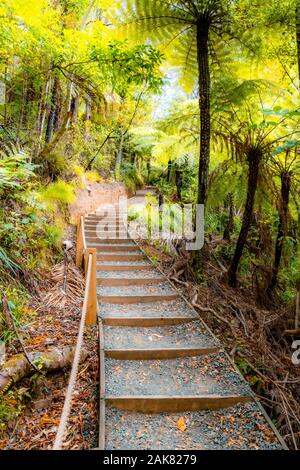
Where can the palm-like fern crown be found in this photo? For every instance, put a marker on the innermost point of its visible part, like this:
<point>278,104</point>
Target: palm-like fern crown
<point>174,23</point>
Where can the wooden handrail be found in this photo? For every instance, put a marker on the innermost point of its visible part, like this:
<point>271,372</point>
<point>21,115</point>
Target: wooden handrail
<point>91,317</point>
<point>82,260</point>
<point>80,242</point>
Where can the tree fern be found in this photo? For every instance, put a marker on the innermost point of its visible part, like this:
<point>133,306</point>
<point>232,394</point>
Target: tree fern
<point>192,30</point>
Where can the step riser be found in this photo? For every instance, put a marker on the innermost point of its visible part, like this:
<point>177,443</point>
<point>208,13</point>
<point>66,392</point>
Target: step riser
<point>115,249</point>
<point>106,223</point>
<point>135,299</point>
<point>94,233</point>
<point>110,218</point>
<point>144,354</point>
<point>128,282</point>
<point>111,241</point>
<point>174,404</point>
<point>150,321</point>
<point>93,227</point>
<point>133,267</point>
<point>113,257</point>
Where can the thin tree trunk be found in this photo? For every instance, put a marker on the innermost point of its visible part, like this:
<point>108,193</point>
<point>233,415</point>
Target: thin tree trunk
<point>297,17</point>
<point>41,116</point>
<point>178,181</point>
<point>230,223</point>
<point>169,170</point>
<point>22,111</point>
<point>285,178</point>
<point>88,108</point>
<point>119,155</point>
<point>148,170</point>
<point>53,111</point>
<point>48,148</point>
<point>204,105</point>
<point>254,159</point>
<point>74,107</point>
<point>5,95</point>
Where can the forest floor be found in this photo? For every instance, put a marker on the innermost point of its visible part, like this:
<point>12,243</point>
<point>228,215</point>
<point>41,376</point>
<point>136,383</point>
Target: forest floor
<point>53,321</point>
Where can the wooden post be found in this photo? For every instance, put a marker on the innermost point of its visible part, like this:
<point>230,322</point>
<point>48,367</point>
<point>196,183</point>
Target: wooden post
<point>91,315</point>
<point>79,243</point>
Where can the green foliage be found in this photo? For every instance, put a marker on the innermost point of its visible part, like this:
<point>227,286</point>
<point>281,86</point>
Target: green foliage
<point>15,170</point>
<point>59,192</point>
<point>11,406</point>
<point>131,176</point>
<point>8,263</point>
<point>126,66</point>
<point>53,236</point>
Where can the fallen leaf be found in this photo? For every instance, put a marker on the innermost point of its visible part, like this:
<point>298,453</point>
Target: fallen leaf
<point>37,340</point>
<point>45,420</point>
<point>181,424</point>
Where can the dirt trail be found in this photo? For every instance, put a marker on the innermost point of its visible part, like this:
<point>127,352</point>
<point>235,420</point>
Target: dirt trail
<point>88,198</point>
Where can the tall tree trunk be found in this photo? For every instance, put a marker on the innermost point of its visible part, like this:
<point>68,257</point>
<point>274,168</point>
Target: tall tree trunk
<point>254,159</point>
<point>285,178</point>
<point>148,170</point>
<point>230,223</point>
<point>75,107</point>
<point>204,108</point>
<point>119,155</point>
<point>204,105</point>
<point>40,122</point>
<point>22,111</point>
<point>178,181</point>
<point>53,111</point>
<point>297,17</point>
<point>5,95</point>
<point>169,170</point>
<point>48,148</point>
<point>88,107</point>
